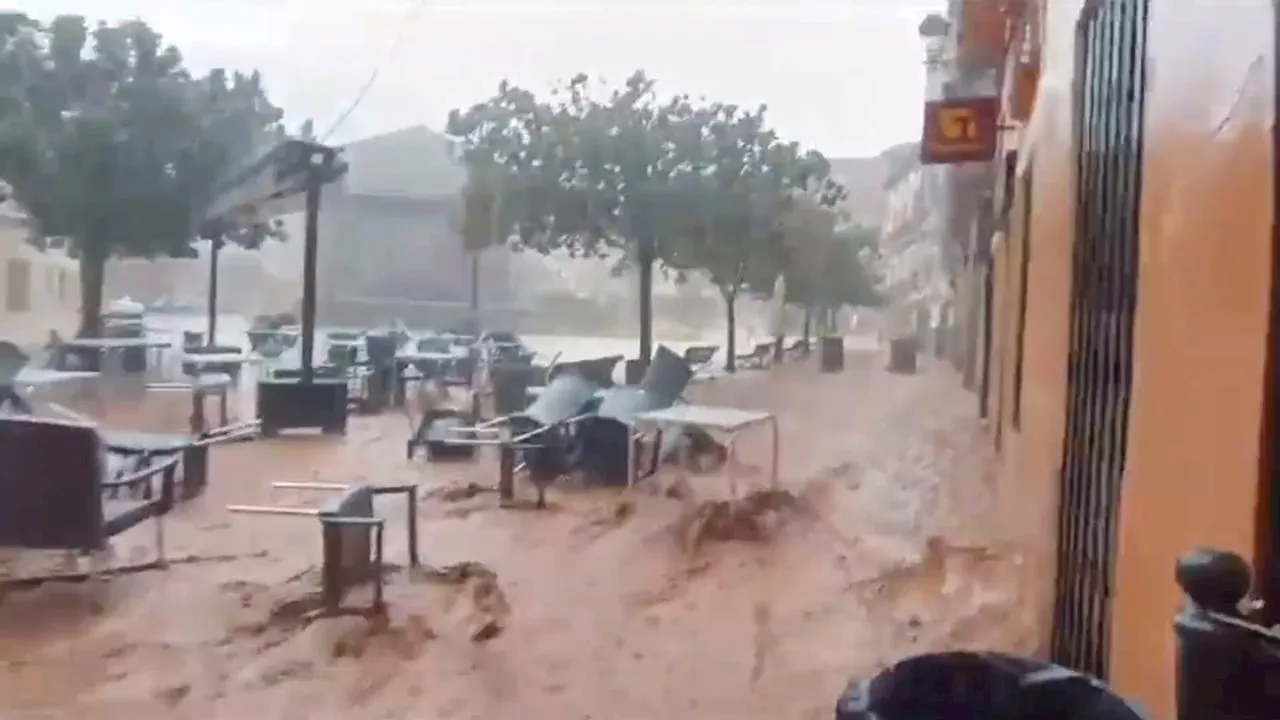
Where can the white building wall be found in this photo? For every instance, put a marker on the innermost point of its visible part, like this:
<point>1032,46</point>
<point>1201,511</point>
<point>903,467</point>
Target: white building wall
<point>39,290</point>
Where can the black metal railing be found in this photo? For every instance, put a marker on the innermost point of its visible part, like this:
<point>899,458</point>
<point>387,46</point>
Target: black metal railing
<point>1111,79</point>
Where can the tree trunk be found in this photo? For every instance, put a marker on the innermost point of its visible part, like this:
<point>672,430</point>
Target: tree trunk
<point>731,327</point>
<point>646,258</point>
<point>475,290</point>
<point>93,269</point>
<point>808,326</point>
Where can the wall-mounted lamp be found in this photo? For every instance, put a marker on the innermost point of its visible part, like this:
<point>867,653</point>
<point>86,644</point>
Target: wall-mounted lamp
<point>933,29</point>
<point>934,26</point>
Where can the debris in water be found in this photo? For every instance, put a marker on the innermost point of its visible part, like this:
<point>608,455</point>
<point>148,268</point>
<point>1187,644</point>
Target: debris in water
<point>488,611</point>
<point>458,493</point>
<point>752,518</point>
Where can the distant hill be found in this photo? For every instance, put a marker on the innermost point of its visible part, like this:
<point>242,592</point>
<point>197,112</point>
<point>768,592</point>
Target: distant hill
<point>865,179</point>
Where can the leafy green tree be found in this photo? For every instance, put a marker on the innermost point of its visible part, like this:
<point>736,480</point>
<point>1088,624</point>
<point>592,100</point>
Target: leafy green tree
<point>485,216</point>
<point>740,184</point>
<point>106,139</point>
<point>830,264</point>
<point>590,172</point>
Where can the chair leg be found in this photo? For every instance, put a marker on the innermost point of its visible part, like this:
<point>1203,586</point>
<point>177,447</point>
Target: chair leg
<point>161,556</point>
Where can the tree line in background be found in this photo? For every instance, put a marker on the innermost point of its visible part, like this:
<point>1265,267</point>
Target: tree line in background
<point>660,182</point>
<point>107,140</point>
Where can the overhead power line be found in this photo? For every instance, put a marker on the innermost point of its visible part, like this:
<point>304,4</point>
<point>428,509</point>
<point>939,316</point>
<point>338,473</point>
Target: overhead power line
<point>363,92</point>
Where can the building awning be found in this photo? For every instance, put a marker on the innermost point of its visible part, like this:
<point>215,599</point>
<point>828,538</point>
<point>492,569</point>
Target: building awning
<point>271,185</point>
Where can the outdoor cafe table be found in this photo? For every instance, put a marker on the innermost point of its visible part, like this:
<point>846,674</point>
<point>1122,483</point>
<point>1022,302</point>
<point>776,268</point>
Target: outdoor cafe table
<point>727,421</point>
<point>204,360</point>
<point>105,345</point>
<point>406,359</point>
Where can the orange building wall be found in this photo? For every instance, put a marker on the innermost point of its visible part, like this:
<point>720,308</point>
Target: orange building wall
<point>1031,456</point>
<point>1200,334</point>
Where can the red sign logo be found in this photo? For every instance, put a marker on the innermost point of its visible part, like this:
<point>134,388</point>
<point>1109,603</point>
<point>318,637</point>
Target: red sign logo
<point>960,130</point>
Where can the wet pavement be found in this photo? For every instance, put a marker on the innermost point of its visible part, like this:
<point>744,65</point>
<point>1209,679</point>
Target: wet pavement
<point>663,602</point>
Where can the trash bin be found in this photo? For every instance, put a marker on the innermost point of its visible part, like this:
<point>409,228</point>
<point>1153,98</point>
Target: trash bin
<point>937,686</point>
<point>903,354</point>
<point>831,354</point>
<point>1227,667</point>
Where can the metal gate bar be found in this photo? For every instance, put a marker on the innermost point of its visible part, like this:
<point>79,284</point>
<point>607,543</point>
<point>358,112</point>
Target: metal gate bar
<point>1111,75</point>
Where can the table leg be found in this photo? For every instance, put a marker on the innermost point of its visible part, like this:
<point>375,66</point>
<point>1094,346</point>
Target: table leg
<point>773,470</point>
<point>731,465</point>
<point>631,454</point>
<point>196,420</point>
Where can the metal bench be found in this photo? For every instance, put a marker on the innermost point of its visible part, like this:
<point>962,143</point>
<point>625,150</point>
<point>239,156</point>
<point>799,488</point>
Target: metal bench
<point>757,359</point>
<point>797,349</point>
<point>55,493</point>
<point>698,357</point>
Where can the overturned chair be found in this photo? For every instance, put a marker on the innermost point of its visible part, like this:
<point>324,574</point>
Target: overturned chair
<point>605,447</point>
<point>139,450</point>
<point>597,370</point>
<point>57,492</point>
<point>352,539</point>
<point>536,439</point>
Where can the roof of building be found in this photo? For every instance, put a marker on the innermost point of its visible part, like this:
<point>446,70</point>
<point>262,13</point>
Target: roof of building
<point>413,162</point>
<point>865,179</point>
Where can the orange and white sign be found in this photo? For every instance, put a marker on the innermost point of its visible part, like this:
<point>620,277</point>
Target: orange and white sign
<point>960,130</point>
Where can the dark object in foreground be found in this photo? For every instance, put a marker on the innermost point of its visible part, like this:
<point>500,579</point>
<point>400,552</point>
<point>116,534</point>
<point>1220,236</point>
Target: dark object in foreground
<point>287,403</point>
<point>1227,667</point>
<point>55,492</point>
<point>980,686</point>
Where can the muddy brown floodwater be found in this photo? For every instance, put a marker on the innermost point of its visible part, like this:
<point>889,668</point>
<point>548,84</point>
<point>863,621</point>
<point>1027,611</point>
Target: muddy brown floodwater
<point>669,602</point>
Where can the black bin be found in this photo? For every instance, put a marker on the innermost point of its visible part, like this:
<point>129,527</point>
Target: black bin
<point>963,685</point>
<point>831,354</point>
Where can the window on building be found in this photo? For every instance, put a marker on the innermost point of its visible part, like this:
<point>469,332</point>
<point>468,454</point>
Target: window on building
<point>18,285</point>
<point>62,287</point>
<point>1019,339</point>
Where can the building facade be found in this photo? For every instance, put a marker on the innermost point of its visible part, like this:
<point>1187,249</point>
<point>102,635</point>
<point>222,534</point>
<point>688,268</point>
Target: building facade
<point>1129,282</point>
<point>384,257</point>
<point>913,265</point>
<point>388,244</point>
<point>40,288</point>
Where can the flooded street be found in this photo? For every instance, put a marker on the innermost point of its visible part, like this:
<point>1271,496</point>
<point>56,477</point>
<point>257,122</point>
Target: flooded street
<point>652,604</point>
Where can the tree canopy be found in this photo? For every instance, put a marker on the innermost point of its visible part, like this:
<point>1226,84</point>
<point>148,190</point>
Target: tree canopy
<point>829,263</point>
<point>689,185</point>
<point>108,140</point>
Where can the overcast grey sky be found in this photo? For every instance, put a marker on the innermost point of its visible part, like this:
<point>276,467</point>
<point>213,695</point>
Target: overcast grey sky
<point>844,76</point>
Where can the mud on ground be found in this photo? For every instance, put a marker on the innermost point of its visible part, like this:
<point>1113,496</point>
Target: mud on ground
<point>673,601</point>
